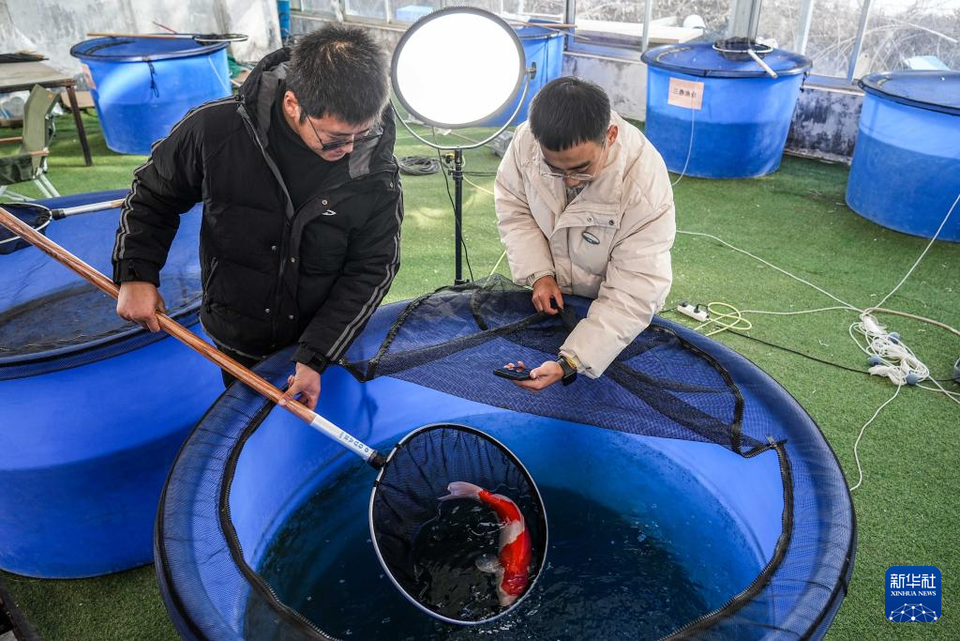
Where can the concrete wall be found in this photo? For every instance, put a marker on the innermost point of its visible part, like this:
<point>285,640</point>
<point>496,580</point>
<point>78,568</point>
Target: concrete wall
<point>53,26</point>
<point>824,123</point>
<point>624,81</point>
<point>388,35</point>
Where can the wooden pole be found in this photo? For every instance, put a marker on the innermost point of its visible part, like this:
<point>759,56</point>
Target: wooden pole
<point>199,37</point>
<point>191,340</point>
<point>166,36</point>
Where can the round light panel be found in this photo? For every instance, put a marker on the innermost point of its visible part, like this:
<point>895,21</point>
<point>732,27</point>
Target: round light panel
<point>458,67</point>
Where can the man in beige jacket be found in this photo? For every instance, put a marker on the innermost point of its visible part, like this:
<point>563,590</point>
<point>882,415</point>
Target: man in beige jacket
<point>585,207</point>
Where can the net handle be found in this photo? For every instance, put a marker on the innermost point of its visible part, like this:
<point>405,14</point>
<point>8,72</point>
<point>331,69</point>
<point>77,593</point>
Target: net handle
<point>752,51</point>
<point>61,213</point>
<point>194,342</point>
<point>757,59</point>
<point>199,37</point>
<point>65,212</point>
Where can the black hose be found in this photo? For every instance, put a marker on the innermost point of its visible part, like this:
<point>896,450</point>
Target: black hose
<point>419,165</point>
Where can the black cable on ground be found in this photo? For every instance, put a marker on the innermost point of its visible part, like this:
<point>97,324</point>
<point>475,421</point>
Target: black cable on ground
<point>814,358</point>
<point>418,165</point>
<point>793,351</point>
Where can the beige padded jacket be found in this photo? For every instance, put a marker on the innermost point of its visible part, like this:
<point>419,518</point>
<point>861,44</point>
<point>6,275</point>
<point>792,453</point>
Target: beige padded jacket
<point>611,243</point>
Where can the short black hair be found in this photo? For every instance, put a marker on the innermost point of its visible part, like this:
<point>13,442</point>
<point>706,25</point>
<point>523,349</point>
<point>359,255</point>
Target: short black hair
<point>340,71</point>
<point>569,111</point>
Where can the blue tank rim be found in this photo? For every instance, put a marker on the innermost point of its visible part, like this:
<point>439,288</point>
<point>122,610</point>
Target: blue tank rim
<point>70,356</point>
<point>785,63</point>
<point>81,50</point>
<point>876,84</point>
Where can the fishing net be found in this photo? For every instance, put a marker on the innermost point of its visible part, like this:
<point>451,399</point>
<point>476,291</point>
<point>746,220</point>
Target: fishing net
<point>431,549</point>
<point>452,339</point>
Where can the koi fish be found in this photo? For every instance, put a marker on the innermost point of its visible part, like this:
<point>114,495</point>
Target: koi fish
<point>512,563</point>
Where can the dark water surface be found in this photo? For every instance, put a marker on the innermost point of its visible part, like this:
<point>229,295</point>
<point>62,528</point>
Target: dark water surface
<point>608,575</point>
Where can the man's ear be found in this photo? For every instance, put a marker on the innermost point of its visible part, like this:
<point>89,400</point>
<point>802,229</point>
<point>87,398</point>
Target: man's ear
<point>290,105</point>
<point>612,133</point>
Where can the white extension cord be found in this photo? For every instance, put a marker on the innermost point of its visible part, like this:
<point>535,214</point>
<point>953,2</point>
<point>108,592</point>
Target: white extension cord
<point>888,355</point>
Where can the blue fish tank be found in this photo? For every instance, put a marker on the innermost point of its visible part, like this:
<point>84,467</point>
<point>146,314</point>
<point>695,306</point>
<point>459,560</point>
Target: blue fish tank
<point>686,492</point>
<point>905,173</point>
<point>94,407</point>
<point>143,86</point>
<point>712,113</point>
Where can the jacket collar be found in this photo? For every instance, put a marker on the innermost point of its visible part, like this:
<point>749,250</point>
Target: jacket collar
<point>259,91</point>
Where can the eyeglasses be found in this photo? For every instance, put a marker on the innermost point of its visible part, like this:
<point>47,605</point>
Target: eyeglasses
<point>548,171</point>
<point>371,134</point>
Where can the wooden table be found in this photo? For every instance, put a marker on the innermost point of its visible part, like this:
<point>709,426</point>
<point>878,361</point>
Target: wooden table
<point>22,76</point>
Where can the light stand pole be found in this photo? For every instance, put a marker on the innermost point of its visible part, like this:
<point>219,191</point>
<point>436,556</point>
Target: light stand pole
<point>457,174</point>
<point>458,215</point>
<point>462,90</point>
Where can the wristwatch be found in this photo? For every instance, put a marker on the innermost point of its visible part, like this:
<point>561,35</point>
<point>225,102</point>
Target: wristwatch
<point>569,370</point>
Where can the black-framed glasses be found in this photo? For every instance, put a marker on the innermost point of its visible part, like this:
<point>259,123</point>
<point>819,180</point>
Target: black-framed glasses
<point>371,134</point>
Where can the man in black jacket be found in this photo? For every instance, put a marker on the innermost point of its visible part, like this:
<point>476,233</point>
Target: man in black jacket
<point>300,237</point>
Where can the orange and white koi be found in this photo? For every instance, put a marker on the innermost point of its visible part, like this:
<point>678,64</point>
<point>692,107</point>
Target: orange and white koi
<point>512,564</point>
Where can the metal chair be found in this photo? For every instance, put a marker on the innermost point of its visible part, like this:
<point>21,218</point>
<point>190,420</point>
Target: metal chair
<point>29,163</point>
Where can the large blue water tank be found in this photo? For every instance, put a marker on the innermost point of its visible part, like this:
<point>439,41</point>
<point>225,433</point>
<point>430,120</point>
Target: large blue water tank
<point>713,117</point>
<point>143,86</point>
<point>94,408</point>
<point>543,49</point>
<point>906,166</point>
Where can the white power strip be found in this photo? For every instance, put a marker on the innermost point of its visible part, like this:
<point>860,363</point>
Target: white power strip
<point>695,312</point>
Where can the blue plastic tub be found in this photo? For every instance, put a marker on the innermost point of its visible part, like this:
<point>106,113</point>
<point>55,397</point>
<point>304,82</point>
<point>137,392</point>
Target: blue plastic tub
<point>143,86</point>
<point>764,533</point>
<point>906,166</point>
<point>94,408</point>
<point>542,48</point>
<point>717,118</point>
<point>283,16</point>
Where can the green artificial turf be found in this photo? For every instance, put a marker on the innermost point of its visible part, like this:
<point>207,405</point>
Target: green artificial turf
<point>907,506</point>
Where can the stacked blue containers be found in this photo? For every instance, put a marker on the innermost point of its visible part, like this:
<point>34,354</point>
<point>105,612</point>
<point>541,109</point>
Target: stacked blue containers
<point>906,166</point>
<point>143,86</point>
<point>713,117</point>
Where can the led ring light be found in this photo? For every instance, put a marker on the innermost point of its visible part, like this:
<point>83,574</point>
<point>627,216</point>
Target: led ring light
<point>459,67</point>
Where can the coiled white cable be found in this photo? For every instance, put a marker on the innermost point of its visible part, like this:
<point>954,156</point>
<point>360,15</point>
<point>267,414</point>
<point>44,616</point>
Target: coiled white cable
<point>888,355</point>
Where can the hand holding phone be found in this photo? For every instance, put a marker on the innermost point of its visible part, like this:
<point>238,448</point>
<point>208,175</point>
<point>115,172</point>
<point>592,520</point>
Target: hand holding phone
<point>512,374</point>
<point>518,372</point>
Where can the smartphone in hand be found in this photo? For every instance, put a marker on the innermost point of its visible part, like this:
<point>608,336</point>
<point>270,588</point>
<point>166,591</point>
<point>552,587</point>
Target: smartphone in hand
<point>512,374</point>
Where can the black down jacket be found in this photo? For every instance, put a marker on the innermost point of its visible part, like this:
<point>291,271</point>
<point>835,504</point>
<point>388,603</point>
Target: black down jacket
<point>272,275</point>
